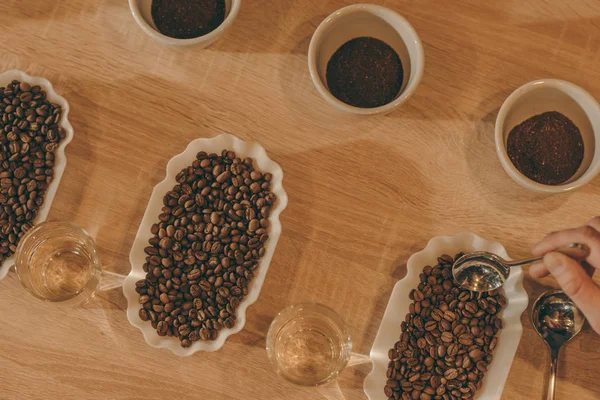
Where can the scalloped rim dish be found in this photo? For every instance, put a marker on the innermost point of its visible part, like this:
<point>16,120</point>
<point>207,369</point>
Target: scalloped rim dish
<point>60,157</point>
<point>137,255</point>
<point>397,308</point>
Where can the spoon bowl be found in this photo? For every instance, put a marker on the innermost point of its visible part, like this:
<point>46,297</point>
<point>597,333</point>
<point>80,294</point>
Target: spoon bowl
<point>480,271</point>
<point>557,320</point>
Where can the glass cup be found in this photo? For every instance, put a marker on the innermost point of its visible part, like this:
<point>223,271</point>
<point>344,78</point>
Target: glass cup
<point>58,262</point>
<point>308,344</point>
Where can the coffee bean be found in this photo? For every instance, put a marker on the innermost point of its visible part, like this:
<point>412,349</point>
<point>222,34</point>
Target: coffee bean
<point>388,391</point>
<point>449,316</point>
<point>441,351</point>
<point>254,225</point>
<point>476,354</point>
<point>206,245</point>
<point>418,295</point>
<point>447,338</point>
<point>451,373</point>
<point>162,328</point>
<point>466,339</point>
<point>464,296</point>
<point>493,343</point>
<point>482,366</point>
<point>144,314</point>
<point>471,307</point>
<point>165,243</point>
<point>445,259</point>
<point>430,325</point>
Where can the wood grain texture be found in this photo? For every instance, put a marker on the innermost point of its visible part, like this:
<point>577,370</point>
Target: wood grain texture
<point>364,193</point>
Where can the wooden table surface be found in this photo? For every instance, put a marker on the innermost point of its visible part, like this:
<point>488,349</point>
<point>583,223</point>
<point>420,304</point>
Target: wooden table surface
<point>365,193</point>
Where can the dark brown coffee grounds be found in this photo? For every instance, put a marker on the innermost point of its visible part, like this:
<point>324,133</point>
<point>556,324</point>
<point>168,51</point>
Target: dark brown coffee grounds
<point>185,19</point>
<point>365,72</point>
<point>547,148</point>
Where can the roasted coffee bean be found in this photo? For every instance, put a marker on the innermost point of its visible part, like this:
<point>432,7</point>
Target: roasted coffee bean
<point>476,354</point>
<point>466,339</point>
<point>144,314</point>
<point>447,337</point>
<point>451,373</point>
<point>206,245</point>
<point>430,325</point>
<point>418,295</point>
<point>482,366</point>
<point>446,341</point>
<point>449,316</point>
<point>441,351</point>
<point>162,328</point>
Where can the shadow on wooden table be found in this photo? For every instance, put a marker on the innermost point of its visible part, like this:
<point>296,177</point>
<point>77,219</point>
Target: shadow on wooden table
<point>361,251</point>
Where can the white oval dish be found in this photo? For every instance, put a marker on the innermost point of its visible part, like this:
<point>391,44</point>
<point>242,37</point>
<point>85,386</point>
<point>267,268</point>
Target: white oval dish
<point>397,308</point>
<point>137,256</point>
<point>59,156</point>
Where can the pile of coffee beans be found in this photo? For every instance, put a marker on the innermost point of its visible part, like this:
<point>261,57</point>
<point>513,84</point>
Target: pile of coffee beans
<point>29,135</point>
<point>447,339</point>
<point>206,247</point>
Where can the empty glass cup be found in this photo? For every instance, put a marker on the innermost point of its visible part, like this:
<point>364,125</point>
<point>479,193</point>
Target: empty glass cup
<point>308,344</point>
<point>58,262</point>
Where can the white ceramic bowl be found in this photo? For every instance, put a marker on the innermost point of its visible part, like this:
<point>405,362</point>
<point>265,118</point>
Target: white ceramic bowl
<point>541,96</point>
<point>137,256</point>
<point>397,308</point>
<point>60,160</point>
<point>369,20</point>
<point>141,10</point>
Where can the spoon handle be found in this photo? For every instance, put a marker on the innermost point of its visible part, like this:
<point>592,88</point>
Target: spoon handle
<point>553,369</point>
<point>576,251</point>
<point>518,263</point>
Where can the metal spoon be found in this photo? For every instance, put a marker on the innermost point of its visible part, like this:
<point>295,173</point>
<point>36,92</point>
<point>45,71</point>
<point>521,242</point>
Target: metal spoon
<point>557,320</point>
<point>482,271</point>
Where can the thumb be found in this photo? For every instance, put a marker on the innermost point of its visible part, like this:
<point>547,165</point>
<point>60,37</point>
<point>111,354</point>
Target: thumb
<point>576,284</point>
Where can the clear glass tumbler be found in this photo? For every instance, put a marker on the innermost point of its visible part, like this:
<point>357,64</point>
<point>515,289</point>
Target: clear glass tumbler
<point>308,344</point>
<point>58,262</point>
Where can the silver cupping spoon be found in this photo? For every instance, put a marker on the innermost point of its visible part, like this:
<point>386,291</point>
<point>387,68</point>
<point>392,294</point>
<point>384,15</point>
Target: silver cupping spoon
<point>557,320</point>
<point>482,271</point>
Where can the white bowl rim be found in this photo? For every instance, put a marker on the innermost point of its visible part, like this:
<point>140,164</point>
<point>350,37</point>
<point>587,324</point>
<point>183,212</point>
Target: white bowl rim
<point>140,241</point>
<point>209,37</point>
<point>314,74</point>
<point>567,88</point>
<point>59,155</point>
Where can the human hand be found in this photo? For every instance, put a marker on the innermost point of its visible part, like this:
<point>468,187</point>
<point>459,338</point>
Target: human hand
<point>574,278</point>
